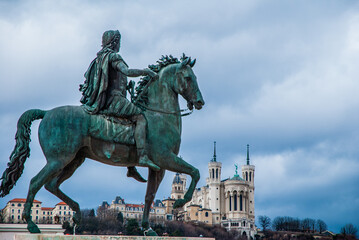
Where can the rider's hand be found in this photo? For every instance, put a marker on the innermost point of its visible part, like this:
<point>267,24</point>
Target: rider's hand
<point>151,73</point>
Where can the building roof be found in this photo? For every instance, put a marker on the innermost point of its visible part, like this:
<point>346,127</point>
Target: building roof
<point>205,209</point>
<point>169,199</point>
<point>104,204</point>
<point>158,203</point>
<point>61,203</point>
<point>177,179</point>
<point>134,205</point>
<point>119,200</point>
<point>237,177</point>
<point>47,208</point>
<point>22,200</point>
<point>224,180</point>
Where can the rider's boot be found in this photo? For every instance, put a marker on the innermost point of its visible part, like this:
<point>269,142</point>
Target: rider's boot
<point>141,143</point>
<point>132,172</point>
<point>144,160</point>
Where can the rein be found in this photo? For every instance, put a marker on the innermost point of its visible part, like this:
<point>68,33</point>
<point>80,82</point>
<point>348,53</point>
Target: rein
<point>165,112</point>
<point>180,112</point>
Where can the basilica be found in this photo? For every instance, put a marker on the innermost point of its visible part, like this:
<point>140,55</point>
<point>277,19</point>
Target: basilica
<point>228,202</point>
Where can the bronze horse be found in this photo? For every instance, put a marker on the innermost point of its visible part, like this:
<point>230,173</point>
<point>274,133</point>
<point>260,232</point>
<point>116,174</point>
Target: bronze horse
<point>67,136</point>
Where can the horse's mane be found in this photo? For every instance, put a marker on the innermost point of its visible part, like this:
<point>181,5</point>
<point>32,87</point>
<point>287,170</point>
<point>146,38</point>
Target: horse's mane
<point>141,97</point>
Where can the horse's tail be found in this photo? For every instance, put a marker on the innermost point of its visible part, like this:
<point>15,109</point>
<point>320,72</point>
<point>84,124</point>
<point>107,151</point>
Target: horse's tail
<point>21,150</point>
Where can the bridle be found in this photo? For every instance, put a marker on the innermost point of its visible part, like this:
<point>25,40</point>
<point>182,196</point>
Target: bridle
<point>178,113</point>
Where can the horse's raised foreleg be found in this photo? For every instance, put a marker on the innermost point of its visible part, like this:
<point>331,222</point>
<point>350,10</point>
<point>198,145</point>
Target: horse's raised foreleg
<point>53,187</point>
<point>177,164</point>
<point>51,170</point>
<point>154,181</point>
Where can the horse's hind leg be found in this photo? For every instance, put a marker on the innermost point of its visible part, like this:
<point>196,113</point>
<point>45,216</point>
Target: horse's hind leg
<point>154,181</point>
<point>54,184</point>
<point>51,170</point>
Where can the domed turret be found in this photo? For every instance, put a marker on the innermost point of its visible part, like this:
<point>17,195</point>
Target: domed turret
<point>178,186</point>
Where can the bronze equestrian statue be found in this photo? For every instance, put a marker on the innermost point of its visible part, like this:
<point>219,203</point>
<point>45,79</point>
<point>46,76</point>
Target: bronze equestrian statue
<point>110,129</point>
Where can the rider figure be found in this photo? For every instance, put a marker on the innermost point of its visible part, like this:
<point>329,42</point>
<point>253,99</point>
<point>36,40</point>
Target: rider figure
<point>104,92</point>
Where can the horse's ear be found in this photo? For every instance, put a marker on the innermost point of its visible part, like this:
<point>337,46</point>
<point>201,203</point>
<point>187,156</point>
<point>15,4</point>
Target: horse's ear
<point>192,63</point>
<point>185,62</point>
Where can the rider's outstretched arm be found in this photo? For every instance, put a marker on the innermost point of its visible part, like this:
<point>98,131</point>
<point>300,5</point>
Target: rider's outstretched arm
<point>122,67</point>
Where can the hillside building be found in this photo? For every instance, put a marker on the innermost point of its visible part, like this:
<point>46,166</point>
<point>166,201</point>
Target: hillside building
<point>229,202</point>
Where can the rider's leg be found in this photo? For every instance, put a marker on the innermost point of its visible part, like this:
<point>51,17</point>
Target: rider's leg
<point>141,142</point>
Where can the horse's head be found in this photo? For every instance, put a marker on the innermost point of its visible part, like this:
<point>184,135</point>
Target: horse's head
<point>186,83</point>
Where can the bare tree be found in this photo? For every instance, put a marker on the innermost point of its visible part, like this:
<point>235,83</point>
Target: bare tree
<point>321,226</point>
<point>349,229</point>
<point>308,224</point>
<point>264,221</point>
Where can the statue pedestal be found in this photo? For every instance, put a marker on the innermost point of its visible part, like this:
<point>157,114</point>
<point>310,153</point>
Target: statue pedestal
<point>8,231</point>
<point>99,237</point>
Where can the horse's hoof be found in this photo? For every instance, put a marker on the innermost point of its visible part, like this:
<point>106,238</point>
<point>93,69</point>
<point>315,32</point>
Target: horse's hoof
<point>76,219</point>
<point>32,227</point>
<point>179,203</point>
<point>150,232</point>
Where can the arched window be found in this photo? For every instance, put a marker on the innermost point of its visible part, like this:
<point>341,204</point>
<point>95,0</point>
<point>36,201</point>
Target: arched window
<point>212,173</point>
<point>230,203</point>
<point>235,201</point>
<point>206,214</point>
<point>246,176</point>
<point>240,202</point>
<point>250,176</point>
<point>217,173</point>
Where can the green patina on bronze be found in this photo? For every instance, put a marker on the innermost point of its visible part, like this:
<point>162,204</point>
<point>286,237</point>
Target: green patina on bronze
<point>69,134</point>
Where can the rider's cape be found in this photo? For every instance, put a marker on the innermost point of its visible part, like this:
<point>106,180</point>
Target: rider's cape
<point>94,89</point>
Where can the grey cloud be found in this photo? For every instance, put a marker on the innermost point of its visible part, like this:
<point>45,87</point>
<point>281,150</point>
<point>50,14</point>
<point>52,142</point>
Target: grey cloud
<point>281,76</point>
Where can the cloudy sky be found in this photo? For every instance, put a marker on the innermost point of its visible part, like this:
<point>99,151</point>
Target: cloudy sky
<point>281,76</point>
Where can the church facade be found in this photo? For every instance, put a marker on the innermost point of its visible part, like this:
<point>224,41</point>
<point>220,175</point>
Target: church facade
<point>228,202</point>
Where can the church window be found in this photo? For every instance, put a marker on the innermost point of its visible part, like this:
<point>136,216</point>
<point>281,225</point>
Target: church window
<point>246,176</point>
<point>212,173</point>
<point>250,176</point>
<point>235,201</point>
<point>217,173</point>
<point>240,202</point>
<point>230,203</point>
<point>206,214</point>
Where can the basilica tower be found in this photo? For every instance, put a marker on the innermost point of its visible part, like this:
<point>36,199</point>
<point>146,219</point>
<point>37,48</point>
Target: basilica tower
<point>248,176</point>
<point>214,182</point>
